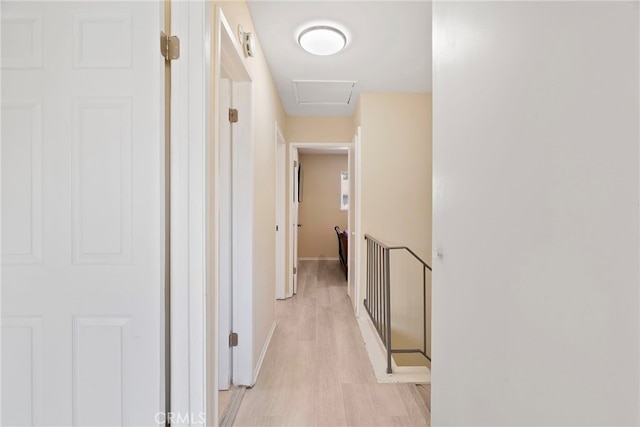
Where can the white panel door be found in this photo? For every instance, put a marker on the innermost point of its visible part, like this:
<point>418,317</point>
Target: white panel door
<point>81,213</point>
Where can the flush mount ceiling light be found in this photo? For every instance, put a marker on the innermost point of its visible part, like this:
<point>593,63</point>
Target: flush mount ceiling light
<point>322,40</point>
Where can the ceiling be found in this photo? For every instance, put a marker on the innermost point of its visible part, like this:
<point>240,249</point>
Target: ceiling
<point>388,50</point>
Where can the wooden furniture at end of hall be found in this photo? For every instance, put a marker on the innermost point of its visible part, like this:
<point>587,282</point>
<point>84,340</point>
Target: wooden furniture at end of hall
<point>343,249</point>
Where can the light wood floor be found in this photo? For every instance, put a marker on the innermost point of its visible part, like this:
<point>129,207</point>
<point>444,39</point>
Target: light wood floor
<point>224,397</point>
<point>317,372</point>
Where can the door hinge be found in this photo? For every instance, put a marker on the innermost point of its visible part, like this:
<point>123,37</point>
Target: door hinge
<point>233,115</point>
<point>277,228</point>
<point>169,46</point>
<point>295,270</point>
<point>295,164</point>
<point>233,339</point>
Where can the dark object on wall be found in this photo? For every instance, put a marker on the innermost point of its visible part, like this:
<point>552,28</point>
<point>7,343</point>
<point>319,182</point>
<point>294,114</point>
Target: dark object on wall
<point>343,250</point>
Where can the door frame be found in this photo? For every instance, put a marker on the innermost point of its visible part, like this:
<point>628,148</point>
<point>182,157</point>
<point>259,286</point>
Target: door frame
<point>190,269</point>
<point>224,232</point>
<point>208,42</point>
<point>242,211</point>
<point>235,286</point>
<point>320,146</point>
<point>356,232</point>
<point>230,61</point>
<point>293,219</point>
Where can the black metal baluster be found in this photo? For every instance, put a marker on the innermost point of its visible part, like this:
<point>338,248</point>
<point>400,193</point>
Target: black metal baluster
<point>378,295</point>
<point>388,314</point>
<point>424,309</point>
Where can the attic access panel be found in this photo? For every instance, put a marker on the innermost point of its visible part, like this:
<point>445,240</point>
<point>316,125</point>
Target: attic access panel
<point>323,92</point>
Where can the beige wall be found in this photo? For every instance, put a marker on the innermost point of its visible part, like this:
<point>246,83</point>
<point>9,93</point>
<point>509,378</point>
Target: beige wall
<point>319,212</point>
<point>396,204</point>
<point>396,168</point>
<point>267,109</point>
<point>319,129</point>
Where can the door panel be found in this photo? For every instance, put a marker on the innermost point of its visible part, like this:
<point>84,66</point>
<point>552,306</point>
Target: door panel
<point>81,213</point>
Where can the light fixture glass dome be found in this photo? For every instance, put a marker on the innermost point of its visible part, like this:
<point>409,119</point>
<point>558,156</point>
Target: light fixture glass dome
<point>322,40</point>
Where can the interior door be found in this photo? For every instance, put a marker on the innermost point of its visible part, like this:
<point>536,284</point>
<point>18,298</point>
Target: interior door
<point>225,233</point>
<point>281,174</point>
<point>294,218</point>
<point>82,206</point>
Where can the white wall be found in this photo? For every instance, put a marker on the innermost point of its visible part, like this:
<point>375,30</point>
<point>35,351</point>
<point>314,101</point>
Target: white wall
<point>536,192</point>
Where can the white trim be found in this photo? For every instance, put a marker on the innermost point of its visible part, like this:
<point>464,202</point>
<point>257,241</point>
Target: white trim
<point>320,146</point>
<point>224,233</point>
<point>355,201</point>
<point>291,223</point>
<point>350,218</point>
<point>263,353</point>
<point>637,94</point>
<point>191,324</point>
<point>318,259</point>
<point>165,233</point>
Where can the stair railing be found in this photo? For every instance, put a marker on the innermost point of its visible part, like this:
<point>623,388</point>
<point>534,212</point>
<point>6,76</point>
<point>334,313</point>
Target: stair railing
<point>378,294</point>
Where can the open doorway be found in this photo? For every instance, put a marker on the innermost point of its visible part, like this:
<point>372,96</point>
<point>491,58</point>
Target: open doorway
<point>322,206</point>
<point>320,222</point>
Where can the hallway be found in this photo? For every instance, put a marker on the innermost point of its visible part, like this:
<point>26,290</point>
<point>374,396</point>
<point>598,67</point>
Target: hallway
<point>317,372</point>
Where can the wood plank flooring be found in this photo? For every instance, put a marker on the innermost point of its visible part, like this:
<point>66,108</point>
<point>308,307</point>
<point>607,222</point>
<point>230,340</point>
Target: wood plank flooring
<point>224,397</point>
<point>317,372</point>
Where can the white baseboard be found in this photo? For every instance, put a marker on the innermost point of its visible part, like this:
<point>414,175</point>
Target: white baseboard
<point>378,358</point>
<point>256,372</point>
<point>319,259</point>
